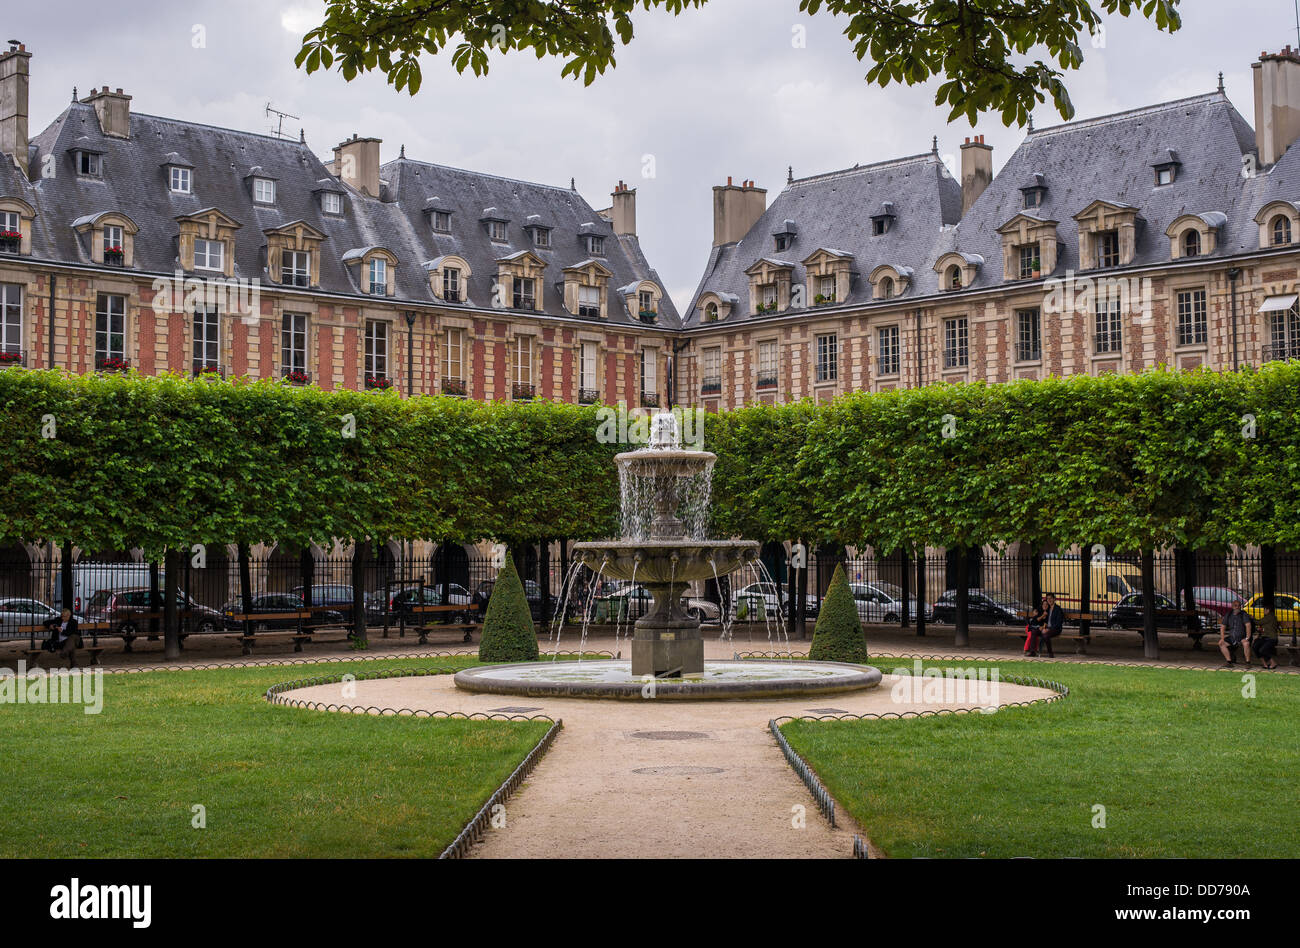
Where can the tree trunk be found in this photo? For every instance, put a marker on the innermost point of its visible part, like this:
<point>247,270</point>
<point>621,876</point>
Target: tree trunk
<point>155,599</point>
<point>1150,639</point>
<point>920,592</point>
<point>245,585</point>
<point>65,578</point>
<point>963,598</point>
<point>359,590</point>
<point>905,585</point>
<point>1085,591</point>
<point>171,627</point>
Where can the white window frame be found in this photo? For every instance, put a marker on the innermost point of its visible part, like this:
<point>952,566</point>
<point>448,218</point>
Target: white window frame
<point>588,357</point>
<point>11,317</point>
<point>1107,326</point>
<point>205,345</point>
<point>588,300</point>
<point>331,202</point>
<point>1192,317</point>
<point>293,342</point>
<point>497,232</point>
<point>208,246</point>
<point>956,343</point>
<point>453,353</point>
<point>180,180</point>
<point>889,358</point>
<point>451,284</point>
<point>828,357</point>
<point>377,267</point>
<point>111,230</point>
<point>376,353</point>
<point>289,260</point>
<point>442,222</point>
<point>264,190</point>
<point>649,371</point>
<point>521,372</point>
<point>518,295</point>
<point>110,322</point>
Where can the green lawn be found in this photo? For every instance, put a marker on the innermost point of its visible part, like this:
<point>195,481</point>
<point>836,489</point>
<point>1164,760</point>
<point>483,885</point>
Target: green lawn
<point>275,781</point>
<point>1183,763</point>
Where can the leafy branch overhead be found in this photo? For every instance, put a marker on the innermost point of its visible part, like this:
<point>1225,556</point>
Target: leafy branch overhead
<point>983,51</point>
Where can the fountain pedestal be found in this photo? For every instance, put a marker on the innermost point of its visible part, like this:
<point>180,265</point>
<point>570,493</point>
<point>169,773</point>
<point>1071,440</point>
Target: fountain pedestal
<point>667,643</point>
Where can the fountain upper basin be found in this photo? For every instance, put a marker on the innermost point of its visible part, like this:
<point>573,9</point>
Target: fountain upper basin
<point>665,561</point>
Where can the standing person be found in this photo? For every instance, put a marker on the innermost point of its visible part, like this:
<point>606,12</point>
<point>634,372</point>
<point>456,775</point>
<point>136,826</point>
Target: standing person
<point>64,637</point>
<point>1053,623</point>
<point>1035,628</point>
<point>1265,638</point>
<point>1235,629</point>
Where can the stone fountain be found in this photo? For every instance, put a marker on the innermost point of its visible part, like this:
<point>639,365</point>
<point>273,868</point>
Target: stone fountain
<point>665,498</point>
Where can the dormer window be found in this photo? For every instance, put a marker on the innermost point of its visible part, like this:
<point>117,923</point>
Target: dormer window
<point>209,254</point>
<point>451,285</point>
<point>884,220</point>
<point>646,303</point>
<point>442,222</point>
<point>589,301</point>
<point>954,277</point>
<point>378,276</point>
<point>114,244</point>
<point>711,313</point>
<point>331,202</point>
<point>524,294</point>
<point>295,267</point>
<point>90,164</point>
<point>886,288</point>
<point>1191,243</point>
<point>264,190</point>
<point>782,242</point>
<point>1165,175</point>
<point>1030,263</point>
<point>1106,243</point>
<point>11,233</point>
<point>542,237</point>
<point>1033,197</point>
<point>1281,231</point>
<point>179,180</point>
<point>497,231</point>
<point>596,245</point>
<point>767,298</point>
<point>1166,167</point>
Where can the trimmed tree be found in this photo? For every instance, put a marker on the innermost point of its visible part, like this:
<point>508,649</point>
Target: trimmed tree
<point>508,633</point>
<point>838,634</point>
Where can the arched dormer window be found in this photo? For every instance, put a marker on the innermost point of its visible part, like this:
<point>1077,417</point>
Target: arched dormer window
<point>889,281</point>
<point>953,280</point>
<point>1191,243</point>
<point>1281,229</point>
<point>711,313</point>
<point>887,287</point>
<point>1196,235</point>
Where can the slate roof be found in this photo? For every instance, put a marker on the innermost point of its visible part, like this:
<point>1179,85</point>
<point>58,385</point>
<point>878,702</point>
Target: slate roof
<point>1110,158</point>
<point>833,212</point>
<point>134,183</point>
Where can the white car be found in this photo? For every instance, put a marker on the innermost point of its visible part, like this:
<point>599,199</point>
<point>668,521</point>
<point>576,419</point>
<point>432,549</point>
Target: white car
<point>881,602</point>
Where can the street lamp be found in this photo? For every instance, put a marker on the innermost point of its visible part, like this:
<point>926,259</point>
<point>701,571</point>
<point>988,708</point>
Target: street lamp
<point>410,351</point>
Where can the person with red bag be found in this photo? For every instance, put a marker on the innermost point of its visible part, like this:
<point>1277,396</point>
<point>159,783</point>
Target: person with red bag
<point>1033,631</point>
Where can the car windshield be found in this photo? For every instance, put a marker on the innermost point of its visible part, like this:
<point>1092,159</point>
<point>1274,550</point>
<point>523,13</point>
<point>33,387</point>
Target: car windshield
<point>890,590</point>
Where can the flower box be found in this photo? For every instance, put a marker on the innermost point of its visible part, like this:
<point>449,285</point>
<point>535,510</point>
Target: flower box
<point>11,241</point>
<point>381,382</point>
<point>114,257</point>
<point>522,390</point>
<point>11,357</point>
<point>297,377</point>
<point>454,387</point>
<point>111,364</point>
<point>823,299</point>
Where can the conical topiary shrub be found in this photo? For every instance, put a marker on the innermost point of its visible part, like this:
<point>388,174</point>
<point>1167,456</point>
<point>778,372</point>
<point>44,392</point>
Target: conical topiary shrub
<point>838,634</point>
<point>508,633</point>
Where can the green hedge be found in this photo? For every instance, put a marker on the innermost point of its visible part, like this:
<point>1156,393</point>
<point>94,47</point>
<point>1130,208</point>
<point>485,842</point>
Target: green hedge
<point>1128,461</point>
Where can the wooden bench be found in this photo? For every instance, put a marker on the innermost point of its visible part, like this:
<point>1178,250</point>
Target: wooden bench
<point>424,628</point>
<point>247,639</point>
<point>35,652</point>
<point>1080,640</point>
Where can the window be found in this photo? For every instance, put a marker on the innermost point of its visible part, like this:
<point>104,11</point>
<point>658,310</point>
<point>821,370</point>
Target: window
<point>376,350</point>
<point>442,222</point>
<point>782,242</point>
<point>828,358</point>
<point>1191,243</point>
<point>378,276</point>
<point>1281,230</point>
<point>589,301</point>
<point>11,318</point>
<point>523,293</point>
<point>114,255</point>
<point>331,202</point>
<point>879,226</point>
<point>1029,262</point>
<point>110,327</point>
<point>178,179</point>
<point>587,373</point>
<point>295,268</point>
<point>711,313</point>
<point>1192,326</point>
<point>886,288</point>
<point>497,231</point>
<point>522,370</point>
<point>956,353</point>
<point>453,360</point>
<point>596,245</point>
<point>1285,334</point>
<point>207,341</point>
<point>263,190</point>
<point>451,285</point>
<point>646,301</point>
<point>825,289</point>
<point>954,277</point>
<point>711,371</point>
<point>1106,333</point>
<point>1107,244</point>
<point>767,297</point>
<point>541,237</point>
<point>767,365</point>
<point>1164,175</point>
<point>888,361</point>
<point>89,164</point>
<point>293,342</point>
<point>1029,347</point>
<point>209,254</point>
<point>1033,197</point>
<point>649,376</point>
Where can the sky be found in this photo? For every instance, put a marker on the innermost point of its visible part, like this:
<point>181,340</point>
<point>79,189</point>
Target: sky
<point>727,90</point>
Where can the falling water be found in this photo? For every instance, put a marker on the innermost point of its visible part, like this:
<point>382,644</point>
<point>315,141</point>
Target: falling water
<point>765,579</point>
<point>586,616</point>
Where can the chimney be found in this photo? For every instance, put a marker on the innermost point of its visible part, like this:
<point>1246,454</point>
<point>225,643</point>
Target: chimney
<point>14,70</point>
<point>1277,103</point>
<point>356,162</point>
<point>976,170</point>
<point>114,111</point>
<point>736,209</point>
<point>623,208</point>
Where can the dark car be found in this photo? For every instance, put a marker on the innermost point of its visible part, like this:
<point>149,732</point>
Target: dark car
<point>275,603</point>
<point>1127,614</point>
<point>401,601</point>
<point>337,595</point>
<point>531,590</point>
<point>124,608</point>
<point>982,608</point>
<point>1216,599</point>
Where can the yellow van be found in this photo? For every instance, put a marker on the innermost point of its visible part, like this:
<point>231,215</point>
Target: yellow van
<point>1111,581</point>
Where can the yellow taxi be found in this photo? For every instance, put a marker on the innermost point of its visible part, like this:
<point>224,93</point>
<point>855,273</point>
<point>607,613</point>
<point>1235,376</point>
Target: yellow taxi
<point>1285,606</point>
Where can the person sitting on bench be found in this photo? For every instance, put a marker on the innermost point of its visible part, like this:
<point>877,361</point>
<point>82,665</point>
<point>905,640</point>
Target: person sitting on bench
<point>1235,629</point>
<point>1053,623</point>
<point>64,638</point>
<point>1034,629</point>
<point>1264,641</point>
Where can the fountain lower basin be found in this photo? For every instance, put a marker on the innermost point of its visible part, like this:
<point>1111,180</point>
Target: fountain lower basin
<point>719,680</point>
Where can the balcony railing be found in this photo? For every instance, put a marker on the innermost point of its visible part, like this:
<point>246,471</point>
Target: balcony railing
<point>766,380</point>
<point>452,386</point>
<point>523,391</point>
<point>1282,352</point>
<point>711,385</point>
<point>11,241</point>
<point>382,382</point>
<point>451,296</point>
<point>1027,352</point>
<point>648,316</point>
<point>295,376</point>
<point>524,302</point>
<point>114,257</point>
<point>204,368</point>
<point>649,399</point>
<point>588,396</point>
<point>589,310</point>
<point>297,278</point>
<point>10,356</point>
<point>111,363</point>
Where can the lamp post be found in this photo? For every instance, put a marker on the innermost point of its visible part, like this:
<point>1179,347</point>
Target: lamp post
<point>410,351</point>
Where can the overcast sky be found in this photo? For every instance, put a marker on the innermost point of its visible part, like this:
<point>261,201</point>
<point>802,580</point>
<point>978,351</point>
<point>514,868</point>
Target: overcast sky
<point>715,92</point>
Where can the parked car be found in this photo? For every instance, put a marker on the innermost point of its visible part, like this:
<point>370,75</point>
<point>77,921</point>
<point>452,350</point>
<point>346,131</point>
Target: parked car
<point>532,591</point>
<point>90,578</point>
<point>1169,615</point>
<point>123,609</point>
<point>402,599</point>
<point>1285,606</point>
<point>983,608</point>
<point>338,595</point>
<point>1216,599</point>
<point>274,603</point>
<point>16,612</point>
<point>882,602</point>
<point>759,601</point>
<point>632,602</point>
